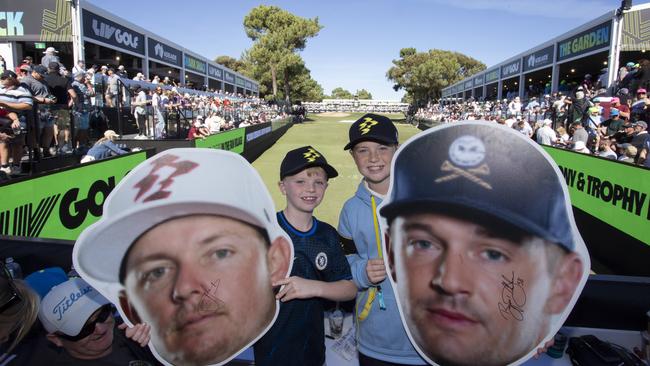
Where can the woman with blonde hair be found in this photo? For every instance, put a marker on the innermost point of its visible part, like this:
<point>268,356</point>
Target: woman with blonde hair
<point>19,306</point>
<point>103,148</point>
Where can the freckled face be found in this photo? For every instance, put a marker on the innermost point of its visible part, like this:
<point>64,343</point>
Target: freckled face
<point>460,301</point>
<point>203,284</point>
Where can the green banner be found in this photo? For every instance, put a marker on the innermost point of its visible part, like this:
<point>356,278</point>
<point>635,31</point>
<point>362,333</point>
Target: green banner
<point>615,193</point>
<point>232,140</point>
<point>60,205</point>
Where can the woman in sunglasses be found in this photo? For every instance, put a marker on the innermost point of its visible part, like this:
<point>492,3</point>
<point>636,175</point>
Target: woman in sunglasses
<point>18,310</point>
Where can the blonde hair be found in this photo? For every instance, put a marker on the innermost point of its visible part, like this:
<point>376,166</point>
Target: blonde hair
<point>104,139</point>
<point>20,316</point>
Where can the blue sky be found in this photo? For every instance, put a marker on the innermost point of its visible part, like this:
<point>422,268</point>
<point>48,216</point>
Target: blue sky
<point>360,38</point>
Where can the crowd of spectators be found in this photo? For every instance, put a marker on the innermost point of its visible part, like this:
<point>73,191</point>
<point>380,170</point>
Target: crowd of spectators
<point>47,109</point>
<point>355,105</point>
<point>606,122</point>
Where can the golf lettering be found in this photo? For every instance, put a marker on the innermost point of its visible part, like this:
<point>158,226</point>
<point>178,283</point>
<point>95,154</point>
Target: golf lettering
<point>73,210</point>
<point>122,37</point>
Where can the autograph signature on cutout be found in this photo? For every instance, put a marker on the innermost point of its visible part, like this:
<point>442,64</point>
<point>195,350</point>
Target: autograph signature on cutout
<point>513,298</point>
<point>209,300</point>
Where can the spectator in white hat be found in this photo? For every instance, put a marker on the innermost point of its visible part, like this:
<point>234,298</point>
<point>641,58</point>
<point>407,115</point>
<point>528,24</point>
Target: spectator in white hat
<point>50,56</point>
<point>545,134</point>
<point>190,253</point>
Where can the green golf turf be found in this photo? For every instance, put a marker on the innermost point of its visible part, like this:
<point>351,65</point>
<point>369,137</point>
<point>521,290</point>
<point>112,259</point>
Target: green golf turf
<point>327,135</point>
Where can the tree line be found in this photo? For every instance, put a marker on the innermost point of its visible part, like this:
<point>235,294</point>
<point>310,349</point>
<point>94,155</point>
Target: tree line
<point>274,61</point>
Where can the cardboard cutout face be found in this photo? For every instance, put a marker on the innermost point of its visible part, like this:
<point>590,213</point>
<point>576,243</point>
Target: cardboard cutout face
<point>483,251</point>
<point>195,262</point>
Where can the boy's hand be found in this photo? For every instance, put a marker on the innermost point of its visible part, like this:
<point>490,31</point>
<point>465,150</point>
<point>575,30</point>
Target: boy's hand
<point>545,348</point>
<point>296,288</point>
<point>139,333</point>
<point>376,270</point>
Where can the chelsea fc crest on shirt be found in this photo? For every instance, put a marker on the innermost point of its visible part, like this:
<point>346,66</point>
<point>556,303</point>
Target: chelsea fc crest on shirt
<point>321,261</point>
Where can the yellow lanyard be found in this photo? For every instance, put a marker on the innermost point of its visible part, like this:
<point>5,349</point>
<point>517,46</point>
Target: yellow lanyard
<point>373,291</point>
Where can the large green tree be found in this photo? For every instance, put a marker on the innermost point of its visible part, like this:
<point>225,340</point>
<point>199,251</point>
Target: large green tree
<point>424,74</point>
<point>340,93</point>
<point>364,94</point>
<point>278,35</point>
<point>231,63</point>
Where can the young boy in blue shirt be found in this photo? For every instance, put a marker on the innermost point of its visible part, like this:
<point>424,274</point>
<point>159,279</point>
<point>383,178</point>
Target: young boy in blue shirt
<point>381,338</point>
<point>320,269</point>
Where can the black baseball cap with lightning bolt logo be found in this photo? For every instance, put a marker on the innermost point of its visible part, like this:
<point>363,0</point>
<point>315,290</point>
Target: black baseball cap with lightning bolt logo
<point>302,158</point>
<point>372,127</point>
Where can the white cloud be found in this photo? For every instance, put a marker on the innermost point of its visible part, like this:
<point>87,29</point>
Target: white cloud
<point>567,9</point>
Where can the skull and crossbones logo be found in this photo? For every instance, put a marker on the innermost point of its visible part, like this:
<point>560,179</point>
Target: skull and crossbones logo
<point>466,154</point>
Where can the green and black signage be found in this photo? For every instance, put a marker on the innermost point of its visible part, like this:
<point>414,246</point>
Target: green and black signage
<point>35,20</point>
<point>62,204</point>
<point>492,75</point>
<point>232,140</point>
<point>615,193</point>
<point>239,81</point>
<point>590,40</point>
<point>107,31</point>
<point>194,64</point>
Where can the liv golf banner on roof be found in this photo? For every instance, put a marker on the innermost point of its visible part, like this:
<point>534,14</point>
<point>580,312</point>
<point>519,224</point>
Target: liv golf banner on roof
<point>60,205</point>
<point>107,31</point>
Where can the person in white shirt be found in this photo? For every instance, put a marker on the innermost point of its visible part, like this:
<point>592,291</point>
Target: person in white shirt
<point>545,134</point>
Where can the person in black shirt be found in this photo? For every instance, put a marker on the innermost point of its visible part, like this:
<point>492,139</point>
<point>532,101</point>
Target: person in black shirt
<point>62,90</point>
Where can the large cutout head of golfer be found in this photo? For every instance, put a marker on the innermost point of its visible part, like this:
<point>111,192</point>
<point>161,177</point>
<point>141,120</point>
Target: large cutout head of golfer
<point>483,249</point>
<point>189,244</point>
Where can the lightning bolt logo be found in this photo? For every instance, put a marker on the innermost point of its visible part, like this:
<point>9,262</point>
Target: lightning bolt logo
<point>311,155</point>
<point>366,125</point>
<point>57,24</point>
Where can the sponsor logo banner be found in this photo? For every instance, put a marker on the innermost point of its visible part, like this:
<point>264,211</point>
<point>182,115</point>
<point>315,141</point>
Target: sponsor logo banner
<point>229,77</point>
<point>616,193</point>
<point>512,68</point>
<point>492,75</point>
<point>215,72</point>
<point>540,58</point>
<point>478,80</point>
<point>165,53</point>
<point>592,39</point>
<point>61,205</point>
<point>232,140</point>
<point>104,30</point>
<point>239,81</point>
<point>194,64</point>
